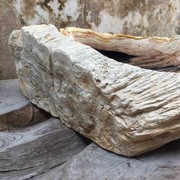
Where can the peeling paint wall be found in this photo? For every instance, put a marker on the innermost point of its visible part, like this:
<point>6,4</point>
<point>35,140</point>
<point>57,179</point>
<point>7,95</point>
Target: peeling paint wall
<point>135,17</point>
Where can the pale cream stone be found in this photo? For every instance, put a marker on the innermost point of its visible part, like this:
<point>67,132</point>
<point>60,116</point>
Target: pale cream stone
<point>122,108</point>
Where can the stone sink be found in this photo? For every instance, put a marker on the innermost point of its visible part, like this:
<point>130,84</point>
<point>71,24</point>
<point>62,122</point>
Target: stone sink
<point>121,107</point>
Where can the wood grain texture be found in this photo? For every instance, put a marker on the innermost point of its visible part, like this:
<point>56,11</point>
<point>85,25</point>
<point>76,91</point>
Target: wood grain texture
<point>15,109</point>
<point>159,53</point>
<point>32,151</point>
<point>94,163</point>
<point>123,108</point>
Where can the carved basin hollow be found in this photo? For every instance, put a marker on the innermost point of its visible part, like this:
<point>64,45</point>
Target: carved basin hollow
<point>129,59</point>
<point>123,108</point>
<point>156,53</point>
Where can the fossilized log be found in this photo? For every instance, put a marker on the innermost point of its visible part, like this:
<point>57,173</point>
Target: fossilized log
<point>15,110</point>
<point>32,151</point>
<point>151,52</point>
<point>95,163</point>
<point>123,108</point>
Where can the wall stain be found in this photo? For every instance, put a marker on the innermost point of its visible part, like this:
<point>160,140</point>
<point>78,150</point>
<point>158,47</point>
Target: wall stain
<point>62,4</point>
<point>45,5</point>
<point>28,8</point>
<point>135,17</point>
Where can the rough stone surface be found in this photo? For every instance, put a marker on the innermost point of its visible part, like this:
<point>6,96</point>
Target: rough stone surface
<point>96,163</point>
<point>15,110</point>
<point>123,108</point>
<point>32,151</point>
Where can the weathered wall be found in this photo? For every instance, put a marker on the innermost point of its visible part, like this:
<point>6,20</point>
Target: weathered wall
<point>136,17</point>
<point>8,22</point>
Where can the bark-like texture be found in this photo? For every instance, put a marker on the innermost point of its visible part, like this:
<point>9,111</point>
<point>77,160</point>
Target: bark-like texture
<point>123,108</point>
<point>29,152</point>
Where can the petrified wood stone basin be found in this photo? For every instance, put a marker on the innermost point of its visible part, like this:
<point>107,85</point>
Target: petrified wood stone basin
<point>121,107</point>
